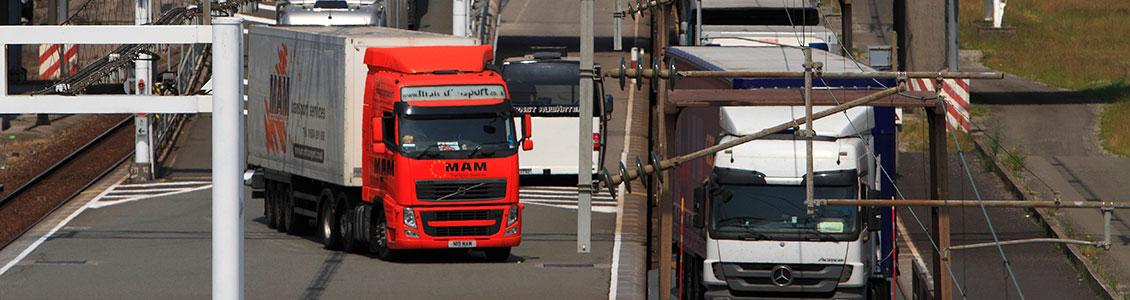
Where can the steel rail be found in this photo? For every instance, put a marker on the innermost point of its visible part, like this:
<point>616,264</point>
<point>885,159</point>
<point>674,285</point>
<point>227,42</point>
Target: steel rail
<point>81,149</point>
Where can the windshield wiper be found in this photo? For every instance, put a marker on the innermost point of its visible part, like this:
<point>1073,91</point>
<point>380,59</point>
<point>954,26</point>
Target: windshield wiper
<point>753,236</point>
<point>462,190</point>
<point>480,148</point>
<point>425,151</point>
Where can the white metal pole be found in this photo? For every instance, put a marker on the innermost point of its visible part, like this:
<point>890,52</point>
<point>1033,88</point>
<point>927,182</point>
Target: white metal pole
<point>459,18</point>
<point>998,13</point>
<point>617,32</point>
<point>227,159</point>
<point>143,148</point>
<point>584,157</point>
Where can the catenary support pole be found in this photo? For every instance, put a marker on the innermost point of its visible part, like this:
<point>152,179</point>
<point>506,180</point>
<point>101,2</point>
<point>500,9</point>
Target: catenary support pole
<point>666,203</point>
<point>206,13</point>
<point>809,186</point>
<point>617,26</point>
<point>939,216</point>
<point>951,35</point>
<point>584,153</point>
<point>846,27</point>
<point>459,17</point>
<point>227,159</point>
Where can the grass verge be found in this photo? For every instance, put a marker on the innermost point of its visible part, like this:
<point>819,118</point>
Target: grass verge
<point>1077,45</point>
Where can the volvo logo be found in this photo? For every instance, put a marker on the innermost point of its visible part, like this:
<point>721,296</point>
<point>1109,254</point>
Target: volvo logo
<point>782,275</point>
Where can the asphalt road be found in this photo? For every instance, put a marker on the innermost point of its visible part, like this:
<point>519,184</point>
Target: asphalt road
<point>159,248</point>
<point>1042,270</point>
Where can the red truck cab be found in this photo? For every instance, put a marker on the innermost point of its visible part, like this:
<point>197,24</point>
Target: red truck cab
<point>441,155</point>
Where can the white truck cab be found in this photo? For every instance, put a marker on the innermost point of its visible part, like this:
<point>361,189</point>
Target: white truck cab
<point>388,13</point>
<point>761,243</point>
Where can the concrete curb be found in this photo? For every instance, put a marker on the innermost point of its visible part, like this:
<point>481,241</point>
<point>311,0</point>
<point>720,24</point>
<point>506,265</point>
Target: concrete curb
<point>1051,223</point>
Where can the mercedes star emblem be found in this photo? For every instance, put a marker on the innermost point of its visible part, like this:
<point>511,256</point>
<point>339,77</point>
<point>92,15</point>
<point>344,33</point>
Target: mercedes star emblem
<point>782,275</point>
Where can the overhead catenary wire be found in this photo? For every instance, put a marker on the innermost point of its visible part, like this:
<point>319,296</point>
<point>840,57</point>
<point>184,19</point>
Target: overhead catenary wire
<point>884,173</point>
<point>988,220</point>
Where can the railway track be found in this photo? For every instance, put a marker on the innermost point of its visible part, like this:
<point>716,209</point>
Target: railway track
<point>36,198</point>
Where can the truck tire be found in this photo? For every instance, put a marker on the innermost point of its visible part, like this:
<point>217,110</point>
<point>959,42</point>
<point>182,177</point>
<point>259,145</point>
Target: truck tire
<point>497,254</point>
<point>294,223</point>
<point>331,238</point>
<point>347,215</point>
<point>269,215</point>
<point>378,236</point>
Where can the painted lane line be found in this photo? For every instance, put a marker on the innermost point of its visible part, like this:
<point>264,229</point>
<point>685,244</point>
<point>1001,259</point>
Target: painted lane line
<point>102,204</point>
<point>614,280</point>
<point>117,192</point>
<point>565,202</point>
<point>599,209</point>
<point>162,184</point>
<point>53,230</point>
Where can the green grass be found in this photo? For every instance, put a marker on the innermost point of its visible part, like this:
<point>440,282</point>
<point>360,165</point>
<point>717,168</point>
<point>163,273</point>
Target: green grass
<point>1080,45</point>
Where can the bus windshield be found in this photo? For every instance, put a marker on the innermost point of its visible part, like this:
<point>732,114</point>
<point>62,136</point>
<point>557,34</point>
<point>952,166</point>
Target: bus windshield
<point>546,88</point>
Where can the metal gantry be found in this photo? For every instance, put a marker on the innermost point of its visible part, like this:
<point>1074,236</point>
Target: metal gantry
<point>225,105</point>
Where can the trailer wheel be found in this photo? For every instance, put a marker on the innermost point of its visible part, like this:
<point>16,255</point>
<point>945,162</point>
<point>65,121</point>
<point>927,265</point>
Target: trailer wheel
<point>345,221</point>
<point>294,223</point>
<point>378,239</point>
<point>331,238</point>
<point>269,215</point>
<point>497,254</point>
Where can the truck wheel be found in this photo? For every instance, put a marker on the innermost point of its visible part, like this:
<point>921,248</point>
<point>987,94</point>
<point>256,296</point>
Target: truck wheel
<point>331,238</point>
<point>378,239</point>
<point>269,215</point>
<point>347,215</point>
<point>293,221</point>
<point>497,254</point>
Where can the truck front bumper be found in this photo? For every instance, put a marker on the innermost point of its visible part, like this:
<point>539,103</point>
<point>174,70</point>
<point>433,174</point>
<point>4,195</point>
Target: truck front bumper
<point>439,227</point>
<point>721,292</point>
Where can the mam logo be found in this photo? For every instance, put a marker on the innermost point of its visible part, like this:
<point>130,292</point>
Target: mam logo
<point>278,106</point>
<point>466,167</point>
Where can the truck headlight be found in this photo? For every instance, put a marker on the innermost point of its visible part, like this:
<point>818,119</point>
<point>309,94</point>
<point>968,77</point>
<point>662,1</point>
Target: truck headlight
<point>409,217</point>
<point>512,216</point>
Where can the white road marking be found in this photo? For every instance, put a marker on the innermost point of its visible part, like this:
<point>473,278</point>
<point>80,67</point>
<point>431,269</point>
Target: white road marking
<point>560,198</point>
<point>135,195</point>
<point>43,238</point>
<point>615,268</point>
<point>162,184</point>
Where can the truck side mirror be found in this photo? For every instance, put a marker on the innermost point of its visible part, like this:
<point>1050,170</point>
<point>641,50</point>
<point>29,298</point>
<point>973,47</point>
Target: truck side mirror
<point>527,145</point>
<point>608,104</point>
<point>874,218</point>
<point>527,132</point>
<point>698,220</point>
<point>378,136</point>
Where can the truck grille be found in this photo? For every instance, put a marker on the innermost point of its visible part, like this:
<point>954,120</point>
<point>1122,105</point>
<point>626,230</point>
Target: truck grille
<point>461,190</point>
<point>806,278</point>
<point>461,215</point>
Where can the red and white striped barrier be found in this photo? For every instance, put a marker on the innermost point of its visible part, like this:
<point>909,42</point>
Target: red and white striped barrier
<point>956,94</point>
<point>49,62</point>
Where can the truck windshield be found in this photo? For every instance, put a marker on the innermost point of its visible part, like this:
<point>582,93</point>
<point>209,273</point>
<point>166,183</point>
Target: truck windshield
<point>545,88</point>
<point>778,212</point>
<point>453,136</point>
